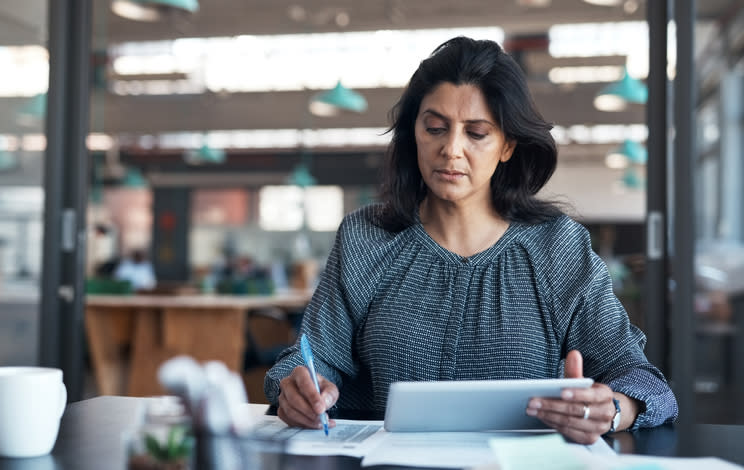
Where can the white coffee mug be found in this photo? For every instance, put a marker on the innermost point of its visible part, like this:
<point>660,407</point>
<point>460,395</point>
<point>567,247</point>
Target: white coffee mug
<point>32,400</point>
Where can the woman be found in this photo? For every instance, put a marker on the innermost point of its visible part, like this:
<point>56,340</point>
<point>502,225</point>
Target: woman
<point>462,273</point>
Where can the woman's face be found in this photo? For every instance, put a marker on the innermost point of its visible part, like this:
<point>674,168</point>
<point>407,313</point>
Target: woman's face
<point>459,144</point>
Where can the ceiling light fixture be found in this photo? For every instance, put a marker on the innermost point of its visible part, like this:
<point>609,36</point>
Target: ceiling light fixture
<point>340,98</point>
<point>605,3</point>
<point>134,179</point>
<point>633,151</point>
<point>8,161</point>
<point>151,10</point>
<point>301,176</point>
<point>626,153</point>
<point>616,161</point>
<point>205,154</point>
<point>617,95</point>
<point>632,179</point>
<point>33,111</point>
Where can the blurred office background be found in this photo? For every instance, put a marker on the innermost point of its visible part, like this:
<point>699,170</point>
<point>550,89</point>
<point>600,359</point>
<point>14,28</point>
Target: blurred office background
<point>206,149</point>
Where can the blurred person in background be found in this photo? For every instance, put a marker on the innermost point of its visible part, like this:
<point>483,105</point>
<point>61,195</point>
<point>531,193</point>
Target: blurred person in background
<point>136,269</point>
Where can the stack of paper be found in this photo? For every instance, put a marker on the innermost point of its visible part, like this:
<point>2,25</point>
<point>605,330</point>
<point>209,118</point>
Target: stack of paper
<point>474,450</point>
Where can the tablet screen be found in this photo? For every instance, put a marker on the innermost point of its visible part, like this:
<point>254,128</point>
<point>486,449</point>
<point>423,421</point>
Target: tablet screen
<point>469,405</point>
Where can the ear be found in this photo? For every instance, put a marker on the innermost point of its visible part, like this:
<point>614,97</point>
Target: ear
<point>507,150</point>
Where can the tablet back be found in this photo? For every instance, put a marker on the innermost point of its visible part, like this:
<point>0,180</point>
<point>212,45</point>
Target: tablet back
<point>469,405</point>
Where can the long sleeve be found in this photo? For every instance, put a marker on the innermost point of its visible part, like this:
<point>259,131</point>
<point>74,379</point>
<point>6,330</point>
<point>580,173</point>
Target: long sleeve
<point>597,325</point>
<point>339,304</point>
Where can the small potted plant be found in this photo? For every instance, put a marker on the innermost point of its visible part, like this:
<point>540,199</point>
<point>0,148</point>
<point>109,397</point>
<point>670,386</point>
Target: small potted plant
<point>154,449</point>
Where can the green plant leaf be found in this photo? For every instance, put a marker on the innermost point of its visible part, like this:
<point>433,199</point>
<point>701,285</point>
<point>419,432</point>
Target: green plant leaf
<point>184,450</point>
<point>154,448</point>
<point>175,437</point>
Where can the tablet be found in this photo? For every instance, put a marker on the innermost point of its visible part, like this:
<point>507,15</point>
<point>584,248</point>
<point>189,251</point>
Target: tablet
<point>469,405</point>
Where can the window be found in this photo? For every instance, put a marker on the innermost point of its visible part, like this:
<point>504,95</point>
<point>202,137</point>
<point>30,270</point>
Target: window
<point>287,208</point>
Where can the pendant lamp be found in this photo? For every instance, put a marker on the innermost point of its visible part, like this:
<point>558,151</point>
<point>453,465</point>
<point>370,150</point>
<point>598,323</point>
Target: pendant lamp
<point>205,154</point>
<point>339,98</point>
<point>8,161</point>
<point>616,96</point>
<point>33,111</point>
<point>632,179</point>
<point>151,10</point>
<point>628,152</point>
<point>134,179</point>
<point>301,176</point>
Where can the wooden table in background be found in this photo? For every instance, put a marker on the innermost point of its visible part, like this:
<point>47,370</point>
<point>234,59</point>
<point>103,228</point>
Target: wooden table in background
<point>130,336</point>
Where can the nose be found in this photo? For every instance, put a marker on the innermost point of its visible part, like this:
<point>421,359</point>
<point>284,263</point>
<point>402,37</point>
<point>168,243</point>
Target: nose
<point>453,145</point>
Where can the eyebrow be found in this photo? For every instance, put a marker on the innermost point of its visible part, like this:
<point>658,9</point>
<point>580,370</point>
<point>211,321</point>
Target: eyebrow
<point>467,121</point>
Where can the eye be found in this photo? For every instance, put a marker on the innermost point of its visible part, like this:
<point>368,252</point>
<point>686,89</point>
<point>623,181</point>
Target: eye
<point>435,130</point>
<point>476,135</point>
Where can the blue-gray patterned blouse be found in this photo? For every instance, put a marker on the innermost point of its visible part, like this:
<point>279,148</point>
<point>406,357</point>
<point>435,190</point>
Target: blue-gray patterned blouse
<point>398,306</point>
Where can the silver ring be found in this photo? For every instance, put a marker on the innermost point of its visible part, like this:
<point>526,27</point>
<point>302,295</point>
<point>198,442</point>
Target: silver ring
<point>587,411</point>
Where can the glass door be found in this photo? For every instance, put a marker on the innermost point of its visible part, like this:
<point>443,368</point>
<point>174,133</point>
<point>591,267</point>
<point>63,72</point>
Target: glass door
<point>24,60</point>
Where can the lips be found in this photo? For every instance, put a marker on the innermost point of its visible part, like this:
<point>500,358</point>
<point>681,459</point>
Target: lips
<point>450,172</point>
<point>450,176</point>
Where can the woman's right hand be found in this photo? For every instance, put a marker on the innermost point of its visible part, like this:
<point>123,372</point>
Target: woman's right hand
<point>300,404</point>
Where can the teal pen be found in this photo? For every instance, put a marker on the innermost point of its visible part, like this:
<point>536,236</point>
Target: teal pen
<point>307,356</point>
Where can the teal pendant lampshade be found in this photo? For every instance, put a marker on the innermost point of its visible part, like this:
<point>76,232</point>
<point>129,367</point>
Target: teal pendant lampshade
<point>33,111</point>
<point>632,179</point>
<point>301,176</point>
<point>8,161</point>
<point>628,152</point>
<point>134,179</point>
<point>151,10</point>
<point>634,151</point>
<point>616,96</point>
<point>205,155</point>
<point>339,98</point>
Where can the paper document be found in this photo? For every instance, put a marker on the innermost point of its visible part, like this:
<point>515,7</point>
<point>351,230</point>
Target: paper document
<point>431,449</point>
<point>438,449</point>
<point>352,438</point>
<point>553,453</point>
<point>644,462</point>
<point>546,452</point>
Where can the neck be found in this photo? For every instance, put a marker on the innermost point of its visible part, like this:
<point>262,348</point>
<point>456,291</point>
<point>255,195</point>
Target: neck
<point>462,230</point>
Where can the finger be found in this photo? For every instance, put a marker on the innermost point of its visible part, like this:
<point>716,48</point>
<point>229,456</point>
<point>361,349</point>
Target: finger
<point>298,395</point>
<point>306,386</point>
<point>574,366</point>
<point>577,429</point>
<point>294,419</point>
<point>597,393</point>
<point>600,412</point>
<point>293,416</point>
<point>580,437</point>
<point>328,392</point>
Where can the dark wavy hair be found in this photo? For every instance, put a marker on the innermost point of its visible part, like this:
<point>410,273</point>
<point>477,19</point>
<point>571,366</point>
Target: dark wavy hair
<point>484,64</point>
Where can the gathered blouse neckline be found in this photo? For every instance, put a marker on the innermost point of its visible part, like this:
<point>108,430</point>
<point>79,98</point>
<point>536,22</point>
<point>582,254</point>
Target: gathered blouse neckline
<point>486,256</point>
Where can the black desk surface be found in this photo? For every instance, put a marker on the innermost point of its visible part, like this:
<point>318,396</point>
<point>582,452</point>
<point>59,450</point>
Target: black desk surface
<point>92,436</point>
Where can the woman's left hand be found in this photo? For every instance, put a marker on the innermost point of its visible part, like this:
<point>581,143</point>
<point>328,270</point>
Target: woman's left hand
<point>581,414</point>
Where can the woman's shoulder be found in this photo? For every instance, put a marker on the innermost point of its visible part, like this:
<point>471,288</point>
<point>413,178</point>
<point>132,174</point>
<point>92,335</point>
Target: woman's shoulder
<point>362,223</point>
<point>558,233</point>
<point>360,229</point>
<point>557,247</point>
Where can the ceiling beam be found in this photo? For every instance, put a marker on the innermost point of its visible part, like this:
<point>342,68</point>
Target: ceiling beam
<point>563,105</point>
<point>258,17</point>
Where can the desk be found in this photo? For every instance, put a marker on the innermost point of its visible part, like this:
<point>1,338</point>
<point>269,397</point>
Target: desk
<point>91,438</point>
<point>130,336</point>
